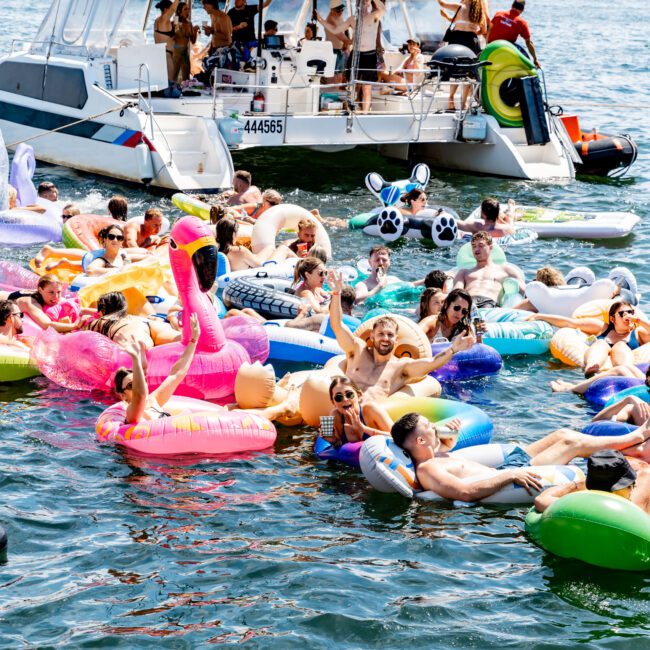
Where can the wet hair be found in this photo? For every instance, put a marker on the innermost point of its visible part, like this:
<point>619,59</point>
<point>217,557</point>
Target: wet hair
<point>226,233</point>
<point>425,299</point>
<point>404,428</point>
<point>118,207</point>
<point>46,280</point>
<point>112,303</point>
<point>45,187</point>
<point>151,213</point>
<point>481,236</point>
<point>342,380</point>
<point>6,310</point>
<point>411,196</point>
<point>314,29</point>
<point>243,175</point>
<point>386,320</point>
<point>163,5</point>
<point>71,209</point>
<point>519,5</point>
<point>217,213</point>
<point>272,196</point>
<point>615,307</point>
<point>318,252</point>
<point>550,276</point>
<point>304,266</point>
<point>104,232</point>
<point>435,279</point>
<point>464,323</point>
<point>348,297</point>
<point>379,248</point>
<point>303,224</point>
<point>490,208</point>
<point>120,375</point>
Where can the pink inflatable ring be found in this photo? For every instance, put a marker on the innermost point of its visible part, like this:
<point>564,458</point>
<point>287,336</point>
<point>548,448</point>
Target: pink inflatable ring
<point>194,427</point>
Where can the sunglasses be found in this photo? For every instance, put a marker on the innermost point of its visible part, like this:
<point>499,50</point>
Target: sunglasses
<point>625,312</point>
<point>113,237</point>
<point>322,273</point>
<point>463,311</point>
<point>128,386</point>
<point>339,397</point>
<point>18,313</point>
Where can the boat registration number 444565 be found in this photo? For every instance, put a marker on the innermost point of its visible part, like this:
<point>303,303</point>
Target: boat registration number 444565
<point>263,126</point>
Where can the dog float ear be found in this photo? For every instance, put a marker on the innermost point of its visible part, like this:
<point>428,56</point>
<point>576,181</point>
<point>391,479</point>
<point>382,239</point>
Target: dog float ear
<point>375,183</point>
<point>421,175</point>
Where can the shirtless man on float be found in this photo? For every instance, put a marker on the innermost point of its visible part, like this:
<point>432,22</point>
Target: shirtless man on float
<point>375,369</point>
<point>11,325</point>
<point>484,281</point>
<point>460,479</point>
<point>379,262</point>
<point>145,235</point>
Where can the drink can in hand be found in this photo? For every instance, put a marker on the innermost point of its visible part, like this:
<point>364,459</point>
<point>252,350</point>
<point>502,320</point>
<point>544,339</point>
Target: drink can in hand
<point>327,426</point>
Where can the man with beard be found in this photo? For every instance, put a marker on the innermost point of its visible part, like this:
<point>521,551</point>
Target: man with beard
<point>11,324</point>
<point>373,367</point>
<point>484,281</point>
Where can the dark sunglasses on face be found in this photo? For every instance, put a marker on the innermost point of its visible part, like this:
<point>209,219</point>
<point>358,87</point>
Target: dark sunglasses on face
<point>339,397</point>
<point>322,273</point>
<point>18,313</point>
<point>113,237</point>
<point>463,311</point>
<point>624,312</point>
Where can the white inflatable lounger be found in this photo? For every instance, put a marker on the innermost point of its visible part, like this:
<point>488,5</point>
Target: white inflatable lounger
<point>566,223</point>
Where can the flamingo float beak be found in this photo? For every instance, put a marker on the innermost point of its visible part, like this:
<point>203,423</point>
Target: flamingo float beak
<point>204,260</point>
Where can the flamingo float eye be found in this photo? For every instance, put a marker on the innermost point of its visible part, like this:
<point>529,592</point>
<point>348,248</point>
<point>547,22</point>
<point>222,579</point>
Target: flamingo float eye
<point>173,244</point>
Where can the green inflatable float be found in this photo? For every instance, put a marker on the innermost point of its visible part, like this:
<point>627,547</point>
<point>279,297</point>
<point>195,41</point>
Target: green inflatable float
<point>598,528</point>
<point>506,63</point>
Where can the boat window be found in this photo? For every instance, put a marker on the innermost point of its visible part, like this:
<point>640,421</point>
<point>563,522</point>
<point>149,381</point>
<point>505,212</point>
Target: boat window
<point>55,84</point>
<point>424,18</point>
<point>288,16</point>
<point>89,26</point>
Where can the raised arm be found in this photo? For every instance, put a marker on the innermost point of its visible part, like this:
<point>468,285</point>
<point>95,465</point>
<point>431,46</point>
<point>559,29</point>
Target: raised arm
<point>454,6</point>
<point>139,391</point>
<point>180,368</point>
<point>416,368</point>
<point>344,336</point>
<point>379,12</point>
<point>586,325</point>
<point>336,29</point>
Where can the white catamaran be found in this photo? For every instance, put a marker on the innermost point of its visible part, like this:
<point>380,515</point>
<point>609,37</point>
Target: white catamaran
<point>86,94</point>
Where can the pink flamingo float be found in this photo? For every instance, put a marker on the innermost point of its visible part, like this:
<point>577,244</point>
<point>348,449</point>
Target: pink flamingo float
<point>87,360</point>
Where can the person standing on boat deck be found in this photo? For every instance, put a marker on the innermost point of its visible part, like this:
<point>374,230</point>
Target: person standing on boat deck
<point>220,28</point>
<point>371,12</point>
<point>185,35</point>
<point>242,16</point>
<point>508,25</point>
<point>340,41</point>
<point>470,21</point>
<point>163,30</point>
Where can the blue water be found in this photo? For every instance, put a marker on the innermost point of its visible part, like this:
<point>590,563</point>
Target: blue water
<point>276,549</point>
